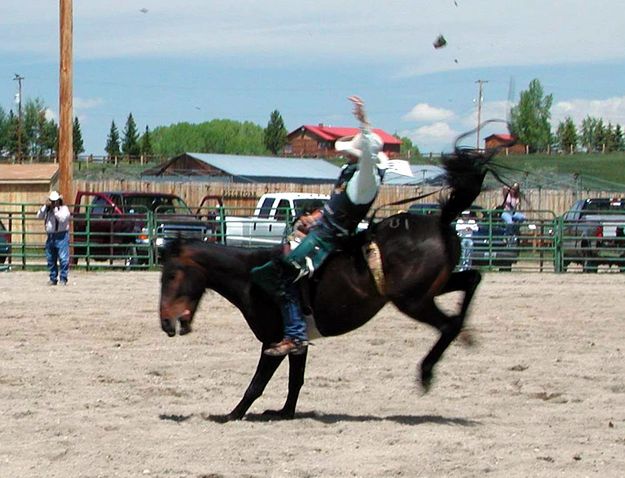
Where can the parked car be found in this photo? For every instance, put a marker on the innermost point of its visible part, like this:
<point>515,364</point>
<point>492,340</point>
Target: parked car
<point>492,246</point>
<point>5,243</point>
<point>593,233</point>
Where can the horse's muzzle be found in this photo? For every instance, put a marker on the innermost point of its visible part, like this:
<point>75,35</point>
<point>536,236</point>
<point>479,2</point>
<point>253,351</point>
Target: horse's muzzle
<point>169,325</point>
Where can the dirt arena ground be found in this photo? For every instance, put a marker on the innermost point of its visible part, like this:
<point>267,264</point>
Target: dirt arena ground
<point>91,387</point>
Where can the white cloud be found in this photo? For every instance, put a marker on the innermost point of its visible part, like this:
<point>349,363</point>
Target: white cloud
<point>480,33</point>
<point>87,103</point>
<point>491,110</point>
<point>423,112</point>
<point>434,137</point>
<point>611,110</point>
<point>50,114</point>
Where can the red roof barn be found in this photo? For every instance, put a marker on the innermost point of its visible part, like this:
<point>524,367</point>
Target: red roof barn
<point>318,141</point>
<point>498,140</point>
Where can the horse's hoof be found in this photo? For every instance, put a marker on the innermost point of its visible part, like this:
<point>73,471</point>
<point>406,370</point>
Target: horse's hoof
<point>220,418</point>
<point>426,381</point>
<point>278,415</point>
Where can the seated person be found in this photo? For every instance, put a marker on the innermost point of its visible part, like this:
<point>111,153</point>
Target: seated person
<point>511,205</point>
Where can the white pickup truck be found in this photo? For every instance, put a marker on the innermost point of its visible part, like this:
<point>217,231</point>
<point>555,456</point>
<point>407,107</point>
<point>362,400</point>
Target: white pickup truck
<point>273,213</point>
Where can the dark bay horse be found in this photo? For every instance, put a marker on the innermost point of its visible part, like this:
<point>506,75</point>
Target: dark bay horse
<point>419,254</point>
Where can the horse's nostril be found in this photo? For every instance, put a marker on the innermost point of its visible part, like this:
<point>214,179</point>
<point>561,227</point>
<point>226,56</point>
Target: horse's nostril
<point>168,328</point>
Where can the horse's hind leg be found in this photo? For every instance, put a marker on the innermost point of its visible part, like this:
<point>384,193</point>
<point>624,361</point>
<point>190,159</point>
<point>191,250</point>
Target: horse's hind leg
<point>466,281</point>
<point>449,327</point>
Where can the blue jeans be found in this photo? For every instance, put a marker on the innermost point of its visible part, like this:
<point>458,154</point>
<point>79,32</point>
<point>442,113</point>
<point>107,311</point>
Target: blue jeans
<point>57,254</point>
<point>466,245</point>
<point>510,218</point>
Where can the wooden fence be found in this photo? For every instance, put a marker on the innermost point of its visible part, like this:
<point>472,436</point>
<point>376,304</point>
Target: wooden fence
<point>246,195</point>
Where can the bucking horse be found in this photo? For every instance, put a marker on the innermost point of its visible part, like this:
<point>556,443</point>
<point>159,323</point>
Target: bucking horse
<point>419,254</point>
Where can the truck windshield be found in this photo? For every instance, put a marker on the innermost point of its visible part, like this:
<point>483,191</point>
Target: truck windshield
<point>158,204</point>
<point>606,205</point>
<point>303,206</point>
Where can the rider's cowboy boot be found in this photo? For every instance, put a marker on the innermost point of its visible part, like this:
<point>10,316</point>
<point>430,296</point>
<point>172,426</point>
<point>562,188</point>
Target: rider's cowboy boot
<point>287,346</point>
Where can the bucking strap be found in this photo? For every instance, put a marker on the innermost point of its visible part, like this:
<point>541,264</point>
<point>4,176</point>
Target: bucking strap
<point>374,261</point>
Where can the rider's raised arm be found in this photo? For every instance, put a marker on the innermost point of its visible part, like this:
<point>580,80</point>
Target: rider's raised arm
<point>363,185</point>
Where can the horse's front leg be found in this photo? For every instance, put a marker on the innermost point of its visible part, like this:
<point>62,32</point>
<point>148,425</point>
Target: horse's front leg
<point>265,369</point>
<point>297,367</point>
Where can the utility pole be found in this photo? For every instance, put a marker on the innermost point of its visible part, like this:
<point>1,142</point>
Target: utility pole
<point>19,79</point>
<point>66,152</point>
<point>480,98</point>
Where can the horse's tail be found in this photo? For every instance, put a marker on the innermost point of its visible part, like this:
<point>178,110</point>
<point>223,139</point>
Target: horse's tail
<point>466,169</point>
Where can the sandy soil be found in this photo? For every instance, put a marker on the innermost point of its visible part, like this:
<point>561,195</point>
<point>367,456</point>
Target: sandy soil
<point>91,387</point>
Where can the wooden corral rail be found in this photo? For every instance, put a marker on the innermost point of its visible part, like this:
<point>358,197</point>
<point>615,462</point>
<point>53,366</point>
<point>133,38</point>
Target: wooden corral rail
<point>245,195</point>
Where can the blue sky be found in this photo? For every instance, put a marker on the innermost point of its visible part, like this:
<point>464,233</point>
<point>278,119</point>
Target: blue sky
<point>196,60</point>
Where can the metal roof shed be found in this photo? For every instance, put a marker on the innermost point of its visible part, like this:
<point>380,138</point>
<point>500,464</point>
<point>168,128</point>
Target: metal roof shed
<point>246,169</point>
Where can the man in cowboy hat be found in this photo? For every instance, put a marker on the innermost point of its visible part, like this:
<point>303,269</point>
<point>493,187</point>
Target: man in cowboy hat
<point>56,218</point>
<point>354,193</point>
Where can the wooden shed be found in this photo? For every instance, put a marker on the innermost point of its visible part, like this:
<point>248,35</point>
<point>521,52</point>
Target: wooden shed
<point>318,141</point>
<point>497,140</point>
<point>27,183</point>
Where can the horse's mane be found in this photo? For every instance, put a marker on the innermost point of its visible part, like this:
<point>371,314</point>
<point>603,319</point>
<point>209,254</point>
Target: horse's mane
<point>176,247</point>
<point>466,169</point>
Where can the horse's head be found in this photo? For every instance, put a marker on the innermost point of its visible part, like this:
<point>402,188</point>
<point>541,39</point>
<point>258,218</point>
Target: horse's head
<point>182,285</point>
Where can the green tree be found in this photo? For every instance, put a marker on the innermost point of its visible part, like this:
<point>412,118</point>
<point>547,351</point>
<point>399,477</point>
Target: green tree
<point>146,143</point>
<point>530,118</point>
<point>219,136</point>
<point>408,149</point>
<point>618,138</point>
<point>275,133</point>
<point>77,141</point>
<point>588,133</point>
<point>566,135</point>
<point>13,127</point>
<point>112,142</point>
<point>4,132</point>
<point>50,138</point>
<point>130,141</point>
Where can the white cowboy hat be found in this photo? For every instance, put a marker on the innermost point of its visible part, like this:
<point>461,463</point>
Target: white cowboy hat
<point>353,145</point>
<point>54,196</point>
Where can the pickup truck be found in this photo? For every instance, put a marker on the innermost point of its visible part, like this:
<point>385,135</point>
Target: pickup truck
<point>116,224</point>
<point>269,223</point>
<point>492,246</point>
<point>593,234</point>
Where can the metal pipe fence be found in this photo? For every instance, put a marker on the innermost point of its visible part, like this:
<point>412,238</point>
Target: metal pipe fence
<point>543,242</point>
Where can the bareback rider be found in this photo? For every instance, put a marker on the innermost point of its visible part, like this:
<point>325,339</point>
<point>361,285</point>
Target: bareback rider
<point>354,192</point>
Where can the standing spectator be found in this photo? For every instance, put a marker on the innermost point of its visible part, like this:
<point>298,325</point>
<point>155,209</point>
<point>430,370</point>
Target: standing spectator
<point>56,218</point>
<point>511,205</point>
<point>465,227</point>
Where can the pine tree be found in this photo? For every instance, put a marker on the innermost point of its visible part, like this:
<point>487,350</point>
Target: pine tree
<point>146,143</point>
<point>618,138</point>
<point>130,142</point>
<point>567,135</point>
<point>77,141</point>
<point>112,142</point>
<point>275,133</point>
